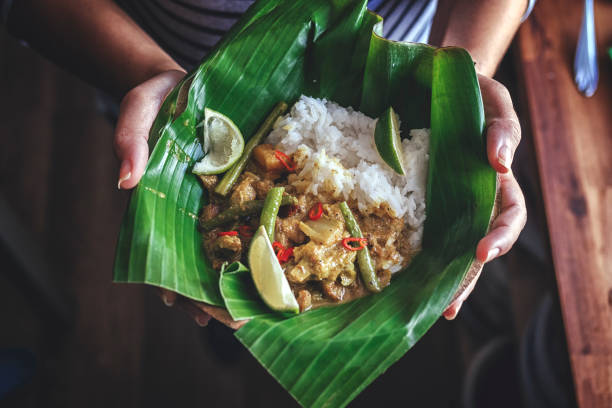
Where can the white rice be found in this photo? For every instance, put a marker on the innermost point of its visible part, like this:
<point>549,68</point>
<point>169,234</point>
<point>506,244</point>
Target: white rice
<point>336,155</point>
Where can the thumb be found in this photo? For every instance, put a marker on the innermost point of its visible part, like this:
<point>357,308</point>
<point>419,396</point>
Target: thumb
<point>137,112</point>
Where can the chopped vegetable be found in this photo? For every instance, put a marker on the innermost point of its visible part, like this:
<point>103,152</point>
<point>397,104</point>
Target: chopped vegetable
<point>316,211</point>
<point>363,242</point>
<point>324,230</point>
<point>285,160</point>
<point>277,246</point>
<point>298,274</point>
<point>234,212</point>
<point>366,267</point>
<point>228,180</point>
<point>270,210</point>
<point>246,231</point>
<point>284,254</point>
<point>227,233</point>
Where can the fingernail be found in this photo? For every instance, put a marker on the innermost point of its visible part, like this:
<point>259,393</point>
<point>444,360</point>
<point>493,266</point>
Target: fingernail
<point>504,156</point>
<point>167,301</point>
<point>126,171</point>
<point>202,321</point>
<point>492,254</point>
<point>451,313</point>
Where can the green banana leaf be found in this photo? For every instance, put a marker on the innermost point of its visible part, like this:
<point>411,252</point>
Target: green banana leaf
<point>279,50</point>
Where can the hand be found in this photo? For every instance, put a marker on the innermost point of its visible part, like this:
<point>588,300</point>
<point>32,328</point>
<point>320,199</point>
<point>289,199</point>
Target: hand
<point>199,311</point>
<point>138,110</point>
<point>503,134</point>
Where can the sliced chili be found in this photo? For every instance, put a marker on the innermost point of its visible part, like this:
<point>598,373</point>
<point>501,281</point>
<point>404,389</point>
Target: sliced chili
<point>316,212</point>
<point>285,160</point>
<point>246,231</point>
<point>227,233</point>
<point>362,243</point>
<point>284,254</point>
<point>278,247</point>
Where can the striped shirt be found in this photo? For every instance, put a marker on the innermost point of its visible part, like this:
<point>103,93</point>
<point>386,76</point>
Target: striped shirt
<point>188,29</point>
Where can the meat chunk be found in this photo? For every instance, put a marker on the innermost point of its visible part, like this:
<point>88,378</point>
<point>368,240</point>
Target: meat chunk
<point>221,249</point>
<point>265,157</point>
<point>228,246</point>
<point>244,190</point>
<point>262,187</point>
<point>209,212</point>
<point>333,291</point>
<point>304,299</point>
<point>209,182</point>
<point>288,232</point>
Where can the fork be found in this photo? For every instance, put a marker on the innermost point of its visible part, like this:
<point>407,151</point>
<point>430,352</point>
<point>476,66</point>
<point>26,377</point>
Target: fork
<point>586,73</point>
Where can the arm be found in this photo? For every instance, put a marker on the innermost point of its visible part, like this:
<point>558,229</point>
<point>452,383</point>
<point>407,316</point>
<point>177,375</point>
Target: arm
<point>93,39</point>
<point>485,28</point>
<point>97,41</point>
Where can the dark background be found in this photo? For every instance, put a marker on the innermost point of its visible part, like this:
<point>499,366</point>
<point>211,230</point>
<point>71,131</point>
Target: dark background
<point>124,348</point>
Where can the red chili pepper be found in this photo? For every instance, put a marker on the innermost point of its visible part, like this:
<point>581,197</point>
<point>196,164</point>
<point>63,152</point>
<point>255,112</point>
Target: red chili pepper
<point>246,231</point>
<point>229,233</point>
<point>316,212</point>
<point>283,158</point>
<point>284,254</point>
<point>362,243</point>
<point>278,247</point>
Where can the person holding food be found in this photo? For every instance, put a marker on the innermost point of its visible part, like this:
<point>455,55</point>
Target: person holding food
<point>138,51</point>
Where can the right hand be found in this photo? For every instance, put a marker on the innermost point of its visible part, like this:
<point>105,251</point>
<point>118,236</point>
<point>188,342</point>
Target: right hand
<point>138,110</point>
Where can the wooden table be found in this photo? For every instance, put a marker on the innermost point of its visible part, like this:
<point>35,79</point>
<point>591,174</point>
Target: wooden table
<point>573,142</point>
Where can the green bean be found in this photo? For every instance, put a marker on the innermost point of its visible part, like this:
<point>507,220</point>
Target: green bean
<point>230,178</point>
<point>366,266</point>
<point>234,212</point>
<point>270,210</point>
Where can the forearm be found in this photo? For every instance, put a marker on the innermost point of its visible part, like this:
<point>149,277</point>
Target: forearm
<point>483,27</point>
<point>94,39</point>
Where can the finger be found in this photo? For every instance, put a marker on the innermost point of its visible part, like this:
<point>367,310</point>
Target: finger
<point>451,311</point>
<point>137,112</point>
<point>201,318</point>
<point>221,315</point>
<point>167,297</point>
<point>508,224</point>
<point>503,128</point>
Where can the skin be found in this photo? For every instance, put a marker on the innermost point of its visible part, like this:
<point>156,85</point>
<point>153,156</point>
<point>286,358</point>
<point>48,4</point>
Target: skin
<point>491,25</point>
<point>116,55</point>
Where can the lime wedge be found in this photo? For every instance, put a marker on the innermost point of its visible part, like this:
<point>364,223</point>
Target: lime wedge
<point>268,275</point>
<point>223,143</point>
<point>388,142</point>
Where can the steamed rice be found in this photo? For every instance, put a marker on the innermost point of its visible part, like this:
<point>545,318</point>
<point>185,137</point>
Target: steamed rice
<point>335,155</point>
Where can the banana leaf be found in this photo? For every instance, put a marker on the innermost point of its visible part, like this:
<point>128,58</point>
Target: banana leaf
<point>279,50</point>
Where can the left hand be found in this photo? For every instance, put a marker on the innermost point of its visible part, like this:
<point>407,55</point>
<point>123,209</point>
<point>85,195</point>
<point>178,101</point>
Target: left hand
<point>503,132</point>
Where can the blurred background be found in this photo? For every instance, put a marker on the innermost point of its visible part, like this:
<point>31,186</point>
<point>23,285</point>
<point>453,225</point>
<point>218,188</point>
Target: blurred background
<point>71,338</point>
